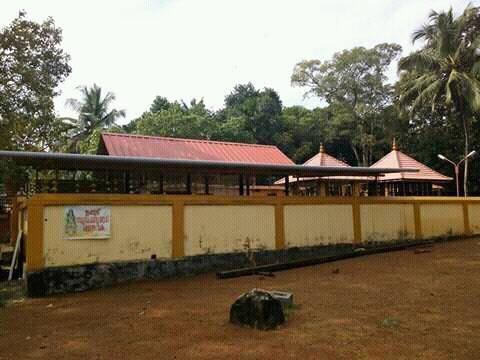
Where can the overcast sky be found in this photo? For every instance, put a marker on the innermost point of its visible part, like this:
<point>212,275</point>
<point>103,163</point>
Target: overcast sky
<point>184,49</point>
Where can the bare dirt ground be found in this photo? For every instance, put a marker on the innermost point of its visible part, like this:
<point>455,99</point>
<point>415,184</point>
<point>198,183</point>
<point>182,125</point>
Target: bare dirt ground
<point>399,305</point>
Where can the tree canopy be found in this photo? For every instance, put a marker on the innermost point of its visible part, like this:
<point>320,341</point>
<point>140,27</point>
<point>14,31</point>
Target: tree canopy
<point>32,65</point>
<point>353,83</point>
<point>176,120</point>
<point>433,108</point>
<point>94,114</point>
<point>444,75</point>
<point>258,110</point>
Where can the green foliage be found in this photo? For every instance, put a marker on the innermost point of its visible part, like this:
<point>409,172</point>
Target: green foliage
<point>353,83</point>
<point>258,110</point>
<point>302,131</point>
<point>94,115</point>
<point>160,103</point>
<point>32,65</point>
<point>89,145</point>
<point>444,75</point>
<point>433,108</point>
<point>177,120</point>
<point>233,129</point>
<point>250,115</point>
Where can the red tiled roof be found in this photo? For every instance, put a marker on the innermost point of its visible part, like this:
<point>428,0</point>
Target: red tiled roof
<point>322,159</point>
<point>398,159</point>
<point>117,144</point>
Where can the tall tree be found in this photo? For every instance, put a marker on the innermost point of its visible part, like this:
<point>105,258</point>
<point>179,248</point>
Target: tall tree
<point>258,110</point>
<point>32,65</point>
<point>302,131</point>
<point>160,103</point>
<point>444,75</point>
<point>94,113</point>
<point>355,86</point>
<point>176,119</point>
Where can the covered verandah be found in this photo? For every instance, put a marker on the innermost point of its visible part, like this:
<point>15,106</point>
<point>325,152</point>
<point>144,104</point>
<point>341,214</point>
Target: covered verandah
<point>75,173</point>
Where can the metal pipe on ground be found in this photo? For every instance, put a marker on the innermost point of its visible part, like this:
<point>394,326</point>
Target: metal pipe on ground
<point>316,261</point>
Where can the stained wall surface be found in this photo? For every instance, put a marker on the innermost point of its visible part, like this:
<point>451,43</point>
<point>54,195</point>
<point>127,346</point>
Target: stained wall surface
<point>387,222</point>
<point>311,225</point>
<point>137,233</point>
<point>474,218</point>
<point>144,227</point>
<point>220,229</point>
<point>441,220</point>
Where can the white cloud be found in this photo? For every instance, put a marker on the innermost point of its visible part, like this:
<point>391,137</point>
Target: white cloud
<point>189,48</point>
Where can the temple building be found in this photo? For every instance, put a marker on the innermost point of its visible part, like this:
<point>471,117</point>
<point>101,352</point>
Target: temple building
<point>127,145</point>
<point>137,164</point>
<point>328,185</point>
<point>425,182</point>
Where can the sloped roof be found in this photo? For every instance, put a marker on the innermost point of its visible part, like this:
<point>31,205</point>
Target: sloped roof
<point>117,144</point>
<point>398,159</point>
<point>323,159</point>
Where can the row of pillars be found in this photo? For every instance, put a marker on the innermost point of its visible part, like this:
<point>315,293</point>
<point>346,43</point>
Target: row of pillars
<point>243,181</point>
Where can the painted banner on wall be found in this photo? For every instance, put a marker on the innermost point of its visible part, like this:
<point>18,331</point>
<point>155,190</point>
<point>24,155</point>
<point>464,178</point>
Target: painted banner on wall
<point>87,222</point>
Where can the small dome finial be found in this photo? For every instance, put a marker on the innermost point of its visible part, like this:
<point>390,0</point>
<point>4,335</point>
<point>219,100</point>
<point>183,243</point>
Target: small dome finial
<point>322,149</point>
<point>394,144</point>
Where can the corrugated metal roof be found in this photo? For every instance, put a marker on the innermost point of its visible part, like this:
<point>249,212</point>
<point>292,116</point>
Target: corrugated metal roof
<point>398,159</point>
<point>189,149</point>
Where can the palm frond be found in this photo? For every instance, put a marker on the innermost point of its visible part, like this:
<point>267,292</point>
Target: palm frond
<point>94,112</point>
<point>476,70</point>
<point>411,89</point>
<point>420,61</point>
<point>428,95</point>
<point>426,32</point>
<point>471,91</point>
<point>74,104</point>
<point>450,87</point>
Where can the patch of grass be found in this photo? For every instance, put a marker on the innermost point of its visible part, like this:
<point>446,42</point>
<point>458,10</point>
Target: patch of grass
<point>390,323</point>
<point>12,291</point>
<point>3,293</point>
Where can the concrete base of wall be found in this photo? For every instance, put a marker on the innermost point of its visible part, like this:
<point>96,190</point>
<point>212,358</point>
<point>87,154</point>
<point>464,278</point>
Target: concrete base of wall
<point>65,279</point>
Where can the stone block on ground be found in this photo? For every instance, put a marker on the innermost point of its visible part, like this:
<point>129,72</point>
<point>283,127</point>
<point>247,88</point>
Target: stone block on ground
<point>285,298</point>
<point>257,309</point>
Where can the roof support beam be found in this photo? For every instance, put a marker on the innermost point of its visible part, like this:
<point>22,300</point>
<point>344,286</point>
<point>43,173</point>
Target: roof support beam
<point>189,184</point>
<point>63,161</point>
<point>207,185</point>
<point>240,184</point>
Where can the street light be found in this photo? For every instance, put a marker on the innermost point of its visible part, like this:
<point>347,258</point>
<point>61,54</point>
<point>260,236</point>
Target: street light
<point>457,165</point>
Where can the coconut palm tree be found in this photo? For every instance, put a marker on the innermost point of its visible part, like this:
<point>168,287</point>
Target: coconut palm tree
<point>445,73</point>
<point>93,114</point>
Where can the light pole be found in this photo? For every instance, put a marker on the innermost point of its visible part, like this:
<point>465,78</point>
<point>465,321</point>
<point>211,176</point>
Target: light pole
<point>456,166</point>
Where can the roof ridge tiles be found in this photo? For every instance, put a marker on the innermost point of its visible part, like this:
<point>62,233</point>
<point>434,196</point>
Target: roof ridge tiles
<point>167,138</point>
<point>323,158</point>
<point>395,153</point>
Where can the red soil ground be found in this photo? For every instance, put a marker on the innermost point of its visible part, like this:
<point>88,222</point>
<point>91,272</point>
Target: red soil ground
<point>399,305</point>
